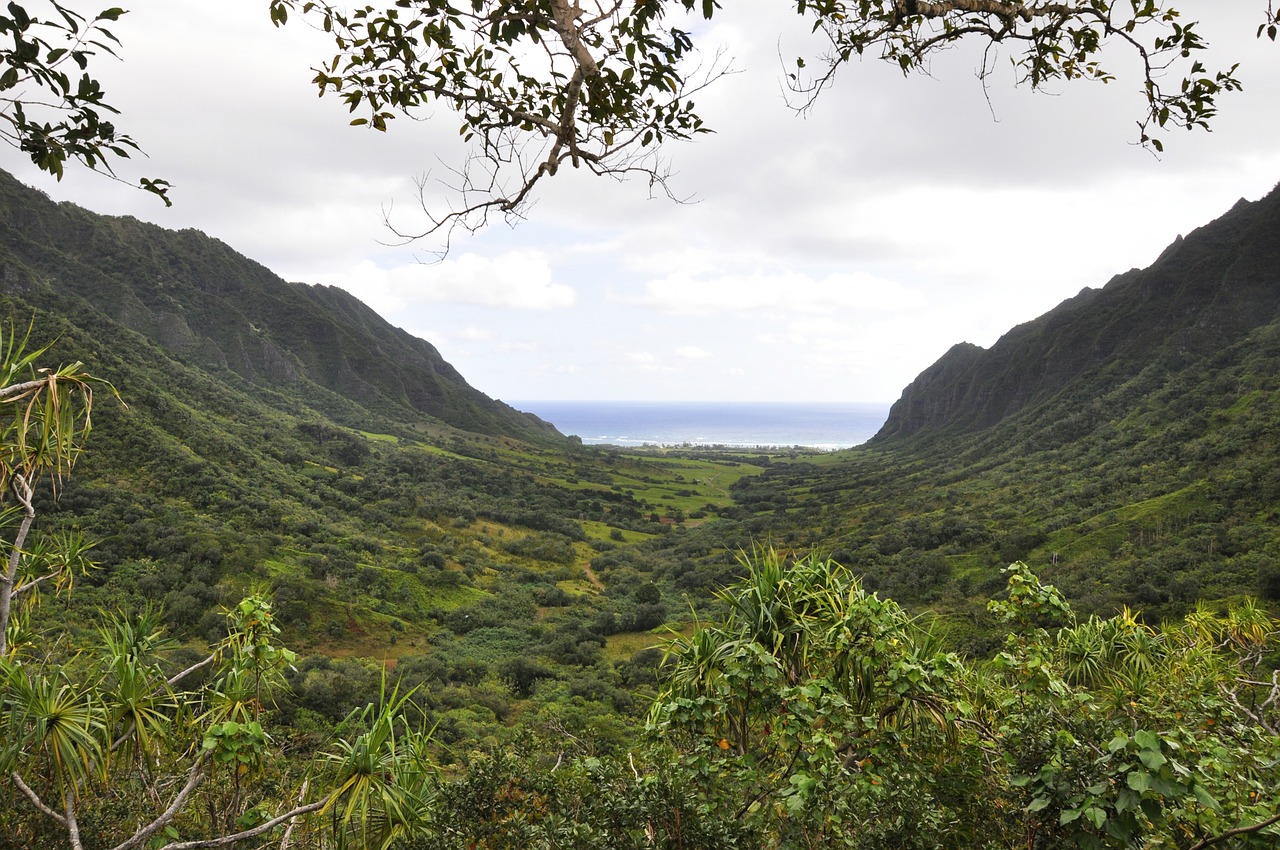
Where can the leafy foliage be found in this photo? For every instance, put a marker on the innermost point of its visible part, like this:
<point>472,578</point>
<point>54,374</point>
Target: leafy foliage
<point>537,84</point>
<point>80,725</point>
<point>51,106</point>
<point>821,714</point>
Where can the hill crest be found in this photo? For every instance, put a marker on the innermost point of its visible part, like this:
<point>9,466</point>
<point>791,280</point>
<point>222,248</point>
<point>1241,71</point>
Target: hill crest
<point>204,303</point>
<point>1205,292</point>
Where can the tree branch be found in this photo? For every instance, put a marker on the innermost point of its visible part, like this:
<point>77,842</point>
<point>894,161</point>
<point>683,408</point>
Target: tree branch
<point>19,389</point>
<point>178,677</point>
<point>28,585</point>
<point>1232,833</point>
<point>23,493</point>
<point>195,777</point>
<point>288,833</point>
<point>73,828</point>
<point>288,816</point>
<point>35,798</point>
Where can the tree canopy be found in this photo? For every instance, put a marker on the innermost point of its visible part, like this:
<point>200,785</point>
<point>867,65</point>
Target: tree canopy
<point>600,86</point>
<point>539,84</point>
<point>827,717</point>
<point>52,107</point>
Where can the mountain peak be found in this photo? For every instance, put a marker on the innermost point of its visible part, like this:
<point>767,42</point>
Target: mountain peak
<point>203,302</point>
<point>1204,292</point>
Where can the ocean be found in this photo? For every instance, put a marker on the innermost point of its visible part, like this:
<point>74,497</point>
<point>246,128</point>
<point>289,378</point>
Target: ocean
<point>819,425</point>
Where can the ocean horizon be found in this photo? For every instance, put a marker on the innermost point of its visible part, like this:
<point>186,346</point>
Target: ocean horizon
<point>817,425</point>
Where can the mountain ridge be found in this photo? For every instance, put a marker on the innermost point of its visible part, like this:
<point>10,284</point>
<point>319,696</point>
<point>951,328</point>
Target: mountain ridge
<point>202,301</point>
<point>1204,291</point>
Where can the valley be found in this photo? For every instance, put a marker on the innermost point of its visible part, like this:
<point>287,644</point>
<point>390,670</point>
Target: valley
<point>275,441</point>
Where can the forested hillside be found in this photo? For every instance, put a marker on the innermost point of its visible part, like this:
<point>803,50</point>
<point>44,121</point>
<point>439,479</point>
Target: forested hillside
<point>1205,293</point>
<point>282,437</point>
<point>1124,442</point>
<point>209,307</point>
<point>280,465</point>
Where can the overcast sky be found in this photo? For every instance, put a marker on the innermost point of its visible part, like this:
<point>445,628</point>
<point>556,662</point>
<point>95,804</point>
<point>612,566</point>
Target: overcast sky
<point>829,257</point>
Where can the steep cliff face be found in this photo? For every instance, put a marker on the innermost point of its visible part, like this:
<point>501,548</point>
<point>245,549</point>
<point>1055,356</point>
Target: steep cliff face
<point>201,301</point>
<point>1205,292</point>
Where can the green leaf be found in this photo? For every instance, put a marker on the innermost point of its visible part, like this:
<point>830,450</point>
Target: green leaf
<point>1147,740</point>
<point>1205,798</point>
<point>1139,781</point>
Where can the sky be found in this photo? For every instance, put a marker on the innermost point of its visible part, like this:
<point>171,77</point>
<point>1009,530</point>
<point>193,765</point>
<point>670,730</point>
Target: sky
<point>825,257</point>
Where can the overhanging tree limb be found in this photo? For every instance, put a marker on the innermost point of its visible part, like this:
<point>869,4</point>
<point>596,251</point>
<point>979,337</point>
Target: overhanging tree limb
<point>1233,833</point>
<point>536,83</point>
<point>51,107</point>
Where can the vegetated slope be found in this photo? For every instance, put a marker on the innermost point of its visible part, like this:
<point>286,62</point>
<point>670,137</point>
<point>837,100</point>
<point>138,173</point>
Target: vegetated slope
<point>208,306</point>
<point>1204,293</point>
<point>259,450</point>
<point>1127,444</point>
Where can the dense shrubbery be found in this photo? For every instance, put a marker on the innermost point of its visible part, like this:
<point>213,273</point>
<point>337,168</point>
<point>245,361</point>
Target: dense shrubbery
<point>469,567</point>
<point>824,716</point>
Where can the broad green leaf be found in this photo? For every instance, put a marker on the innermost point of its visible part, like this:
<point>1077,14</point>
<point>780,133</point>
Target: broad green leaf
<point>1147,740</point>
<point>1139,780</point>
<point>1205,798</point>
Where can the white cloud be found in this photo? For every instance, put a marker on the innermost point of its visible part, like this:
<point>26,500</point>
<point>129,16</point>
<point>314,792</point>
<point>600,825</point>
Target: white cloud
<point>521,347</point>
<point>830,257</point>
<point>683,293</point>
<point>520,279</point>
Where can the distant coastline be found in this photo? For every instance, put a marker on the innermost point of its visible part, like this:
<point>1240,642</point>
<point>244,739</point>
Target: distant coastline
<point>818,425</point>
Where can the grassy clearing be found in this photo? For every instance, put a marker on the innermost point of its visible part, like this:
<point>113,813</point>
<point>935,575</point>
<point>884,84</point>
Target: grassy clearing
<point>380,438</point>
<point>602,531</point>
<point>578,587</point>
<point>622,646</point>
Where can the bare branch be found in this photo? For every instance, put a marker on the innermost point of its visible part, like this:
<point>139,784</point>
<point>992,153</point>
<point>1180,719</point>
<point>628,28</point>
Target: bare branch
<point>288,833</point>
<point>73,828</point>
<point>18,390</point>
<point>1232,833</point>
<point>178,677</point>
<point>23,493</point>
<point>30,584</point>
<point>194,777</point>
<point>35,798</point>
<point>287,817</point>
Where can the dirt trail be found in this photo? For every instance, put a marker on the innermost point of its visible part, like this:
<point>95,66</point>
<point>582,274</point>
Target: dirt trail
<point>592,577</point>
